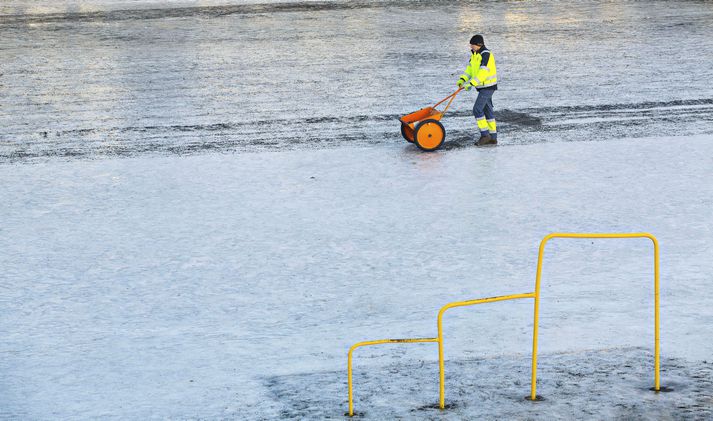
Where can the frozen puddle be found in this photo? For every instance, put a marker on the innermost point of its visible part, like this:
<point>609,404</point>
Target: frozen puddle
<point>603,384</point>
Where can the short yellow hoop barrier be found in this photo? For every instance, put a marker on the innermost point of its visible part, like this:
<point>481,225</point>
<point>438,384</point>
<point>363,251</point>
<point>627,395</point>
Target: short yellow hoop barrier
<point>367,343</point>
<point>536,296</point>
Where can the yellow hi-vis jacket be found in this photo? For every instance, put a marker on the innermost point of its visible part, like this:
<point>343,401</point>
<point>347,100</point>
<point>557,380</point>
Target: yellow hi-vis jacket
<point>481,70</point>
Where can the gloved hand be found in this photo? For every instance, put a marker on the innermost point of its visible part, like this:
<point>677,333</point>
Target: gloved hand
<point>460,82</point>
<point>468,86</point>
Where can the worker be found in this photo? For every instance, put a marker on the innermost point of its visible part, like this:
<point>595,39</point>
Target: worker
<point>482,74</point>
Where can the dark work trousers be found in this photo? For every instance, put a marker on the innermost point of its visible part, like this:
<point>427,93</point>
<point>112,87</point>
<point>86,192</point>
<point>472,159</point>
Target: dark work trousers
<point>483,112</point>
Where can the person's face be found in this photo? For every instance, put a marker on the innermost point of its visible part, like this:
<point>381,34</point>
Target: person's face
<point>474,47</point>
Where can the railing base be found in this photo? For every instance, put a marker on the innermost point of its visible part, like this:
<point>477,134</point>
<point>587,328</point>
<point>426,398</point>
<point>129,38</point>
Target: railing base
<point>661,389</point>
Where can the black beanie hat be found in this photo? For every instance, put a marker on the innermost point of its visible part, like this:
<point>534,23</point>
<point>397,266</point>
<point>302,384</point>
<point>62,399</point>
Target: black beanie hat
<point>477,40</point>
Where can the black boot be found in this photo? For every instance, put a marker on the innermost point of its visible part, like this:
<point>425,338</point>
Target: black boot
<point>486,139</point>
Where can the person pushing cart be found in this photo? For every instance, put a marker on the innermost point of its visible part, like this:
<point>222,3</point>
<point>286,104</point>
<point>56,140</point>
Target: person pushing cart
<point>481,73</point>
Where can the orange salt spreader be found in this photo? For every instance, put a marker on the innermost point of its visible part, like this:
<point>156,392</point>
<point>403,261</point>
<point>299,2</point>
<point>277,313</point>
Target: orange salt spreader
<point>423,127</point>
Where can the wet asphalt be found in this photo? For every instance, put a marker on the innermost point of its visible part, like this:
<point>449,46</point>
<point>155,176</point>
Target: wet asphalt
<point>99,82</point>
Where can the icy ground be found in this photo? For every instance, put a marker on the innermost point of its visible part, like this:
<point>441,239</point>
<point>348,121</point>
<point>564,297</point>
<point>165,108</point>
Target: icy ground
<point>604,384</point>
<point>231,286</point>
<point>94,81</point>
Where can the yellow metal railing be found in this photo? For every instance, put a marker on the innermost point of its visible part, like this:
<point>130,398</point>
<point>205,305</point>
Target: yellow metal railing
<point>536,296</point>
<point>657,378</point>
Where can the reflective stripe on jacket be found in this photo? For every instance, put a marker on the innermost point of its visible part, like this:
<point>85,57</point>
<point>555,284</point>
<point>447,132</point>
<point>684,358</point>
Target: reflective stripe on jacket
<point>481,70</point>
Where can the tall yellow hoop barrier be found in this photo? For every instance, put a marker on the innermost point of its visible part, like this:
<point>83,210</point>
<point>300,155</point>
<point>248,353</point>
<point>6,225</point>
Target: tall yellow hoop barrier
<point>536,296</point>
<point>657,379</point>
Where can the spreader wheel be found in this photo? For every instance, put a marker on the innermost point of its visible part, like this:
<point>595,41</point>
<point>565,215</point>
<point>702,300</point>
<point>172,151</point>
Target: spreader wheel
<point>429,135</point>
<point>407,132</point>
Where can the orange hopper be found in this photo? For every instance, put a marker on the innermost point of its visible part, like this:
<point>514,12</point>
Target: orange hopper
<point>423,127</point>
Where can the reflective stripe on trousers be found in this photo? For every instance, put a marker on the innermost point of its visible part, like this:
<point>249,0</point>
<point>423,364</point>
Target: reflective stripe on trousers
<point>484,113</point>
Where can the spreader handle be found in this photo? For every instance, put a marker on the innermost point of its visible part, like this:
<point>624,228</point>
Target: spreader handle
<point>451,96</point>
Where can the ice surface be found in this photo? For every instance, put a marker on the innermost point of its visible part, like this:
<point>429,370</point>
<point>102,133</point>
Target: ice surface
<point>184,286</point>
<point>603,384</point>
<point>236,77</point>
